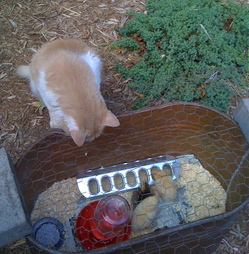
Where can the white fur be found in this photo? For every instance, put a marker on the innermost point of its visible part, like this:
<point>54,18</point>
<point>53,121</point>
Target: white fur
<point>34,90</point>
<point>71,124</point>
<point>94,62</point>
<point>23,71</point>
<point>49,98</point>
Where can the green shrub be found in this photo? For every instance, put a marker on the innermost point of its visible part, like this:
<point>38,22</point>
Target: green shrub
<point>189,50</point>
<point>128,42</point>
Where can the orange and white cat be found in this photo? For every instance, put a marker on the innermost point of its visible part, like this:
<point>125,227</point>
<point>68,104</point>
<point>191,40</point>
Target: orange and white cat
<point>65,75</point>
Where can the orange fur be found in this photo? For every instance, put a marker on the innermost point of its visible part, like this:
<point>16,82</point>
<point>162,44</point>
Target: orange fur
<point>75,86</point>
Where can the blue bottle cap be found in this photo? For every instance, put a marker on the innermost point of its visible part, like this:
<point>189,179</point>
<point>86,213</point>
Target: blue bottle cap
<point>49,232</point>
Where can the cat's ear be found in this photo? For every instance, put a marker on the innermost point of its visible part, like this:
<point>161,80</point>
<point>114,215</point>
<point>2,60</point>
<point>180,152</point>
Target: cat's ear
<point>110,120</point>
<point>78,137</point>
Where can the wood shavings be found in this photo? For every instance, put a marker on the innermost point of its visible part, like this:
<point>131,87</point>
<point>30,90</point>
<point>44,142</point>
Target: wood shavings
<point>202,190</point>
<point>58,201</point>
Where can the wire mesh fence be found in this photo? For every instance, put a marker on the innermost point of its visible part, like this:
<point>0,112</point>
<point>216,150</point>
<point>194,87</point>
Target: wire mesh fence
<point>181,168</point>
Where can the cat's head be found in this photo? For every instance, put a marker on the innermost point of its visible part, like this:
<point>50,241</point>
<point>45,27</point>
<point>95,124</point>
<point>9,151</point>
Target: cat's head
<point>91,130</point>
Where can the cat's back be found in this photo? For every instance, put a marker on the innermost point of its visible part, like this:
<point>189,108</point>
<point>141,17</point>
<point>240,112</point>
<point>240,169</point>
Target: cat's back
<point>50,49</point>
<point>66,56</point>
<point>67,76</point>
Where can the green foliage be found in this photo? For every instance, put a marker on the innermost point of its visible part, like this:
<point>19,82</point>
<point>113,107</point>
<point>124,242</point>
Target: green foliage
<point>190,50</point>
<point>127,43</point>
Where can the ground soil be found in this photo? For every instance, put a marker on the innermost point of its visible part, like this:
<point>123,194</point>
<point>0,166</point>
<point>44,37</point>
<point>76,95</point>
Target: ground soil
<point>24,26</point>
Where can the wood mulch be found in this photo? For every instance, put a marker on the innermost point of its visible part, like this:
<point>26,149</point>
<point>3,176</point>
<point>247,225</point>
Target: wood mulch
<point>24,26</point>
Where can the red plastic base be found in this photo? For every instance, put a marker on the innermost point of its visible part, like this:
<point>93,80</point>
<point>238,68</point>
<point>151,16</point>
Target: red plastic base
<point>85,235</point>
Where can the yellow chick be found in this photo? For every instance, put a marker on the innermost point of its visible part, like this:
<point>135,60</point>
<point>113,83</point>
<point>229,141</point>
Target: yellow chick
<point>164,185</point>
<point>144,213</point>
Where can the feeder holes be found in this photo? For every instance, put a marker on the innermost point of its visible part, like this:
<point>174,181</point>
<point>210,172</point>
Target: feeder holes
<point>167,169</point>
<point>131,179</point>
<point>106,184</point>
<point>143,175</point>
<point>93,186</point>
<point>118,181</point>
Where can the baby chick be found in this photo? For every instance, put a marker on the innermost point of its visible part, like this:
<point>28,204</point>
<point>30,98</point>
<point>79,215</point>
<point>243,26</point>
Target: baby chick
<point>144,213</point>
<point>164,185</point>
<point>139,194</point>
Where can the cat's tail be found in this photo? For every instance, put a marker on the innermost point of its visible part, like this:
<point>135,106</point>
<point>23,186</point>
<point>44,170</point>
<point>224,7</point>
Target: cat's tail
<point>23,71</point>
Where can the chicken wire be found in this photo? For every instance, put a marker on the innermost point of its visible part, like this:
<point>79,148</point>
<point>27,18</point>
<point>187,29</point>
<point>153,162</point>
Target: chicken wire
<point>212,185</point>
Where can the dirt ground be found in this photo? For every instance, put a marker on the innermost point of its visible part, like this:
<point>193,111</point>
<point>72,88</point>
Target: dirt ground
<point>24,26</point>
